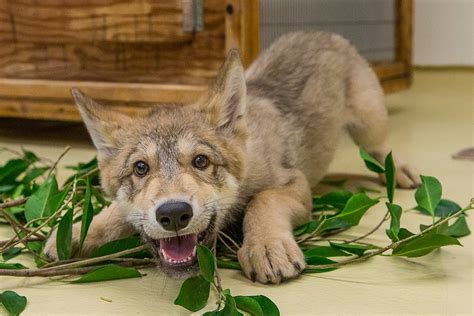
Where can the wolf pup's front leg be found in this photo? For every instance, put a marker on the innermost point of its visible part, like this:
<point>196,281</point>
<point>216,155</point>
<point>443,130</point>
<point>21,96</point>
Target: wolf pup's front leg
<point>109,225</point>
<point>270,253</point>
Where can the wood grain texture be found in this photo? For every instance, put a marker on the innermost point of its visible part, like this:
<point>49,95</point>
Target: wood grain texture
<point>190,62</point>
<point>387,71</point>
<point>54,109</point>
<point>396,84</point>
<point>405,35</point>
<point>243,28</point>
<point>57,21</point>
<point>110,91</point>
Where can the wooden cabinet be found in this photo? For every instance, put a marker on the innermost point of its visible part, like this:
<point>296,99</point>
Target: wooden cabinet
<point>131,54</point>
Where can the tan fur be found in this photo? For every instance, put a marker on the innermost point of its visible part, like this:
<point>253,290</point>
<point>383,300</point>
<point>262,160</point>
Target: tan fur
<point>270,136</point>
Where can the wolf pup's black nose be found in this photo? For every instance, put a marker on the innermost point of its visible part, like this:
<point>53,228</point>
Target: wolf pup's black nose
<point>174,215</point>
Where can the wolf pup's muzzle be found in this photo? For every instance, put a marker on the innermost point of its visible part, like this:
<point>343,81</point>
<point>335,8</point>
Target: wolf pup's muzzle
<point>180,251</point>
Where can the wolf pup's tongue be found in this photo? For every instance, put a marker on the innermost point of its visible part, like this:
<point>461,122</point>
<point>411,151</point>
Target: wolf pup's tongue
<point>179,249</point>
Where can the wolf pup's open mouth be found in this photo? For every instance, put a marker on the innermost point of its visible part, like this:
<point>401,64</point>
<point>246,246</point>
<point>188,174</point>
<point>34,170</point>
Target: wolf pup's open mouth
<point>179,251</point>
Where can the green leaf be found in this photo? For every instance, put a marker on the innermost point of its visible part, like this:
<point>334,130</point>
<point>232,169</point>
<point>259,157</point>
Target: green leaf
<point>230,307</point>
<point>324,251</point>
<point>317,260</point>
<point>12,266</point>
<point>37,247</point>
<point>121,245</point>
<point>234,265</point>
<point>338,199</point>
<point>445,208</point>
<point>206,262</point>
<point>335,183</point>
<point>107,273</point>
<point>367,190</point>
<point>428,195</point>
<point>441,229</point>
<point>12,169</point>
<point>357,249</point>
<point>402,234</point>
<point>355,208</point>
<point>4,188</point>
<point>306,228</point>
<point>44,201</point>
<point>87,213</point>
<point>30,156</point>
<point>268,307</point>
<point>390,176</point>
<point>33,174</point>
<point>11,253</point>
<point>83,168</point>
<point>424,245</point>
<point>460,228</point>
<point>64,236</point>
<point>194,293</point>
<point>248,304</point>
<point>100,197</point>
<point>317,270</point>
<point>370,162</point>
<point>395,215</point>
<point>14,304</point>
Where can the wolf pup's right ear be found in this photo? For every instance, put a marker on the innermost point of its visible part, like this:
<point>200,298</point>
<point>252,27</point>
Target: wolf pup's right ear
<point>226,102</point>
<point>103,124</point>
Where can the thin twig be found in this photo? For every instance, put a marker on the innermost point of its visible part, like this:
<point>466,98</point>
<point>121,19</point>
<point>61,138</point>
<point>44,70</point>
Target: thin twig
<point>71,271</point>
<point>53,167</point>
<point>385,217</point>
<point>313,233</point>
<point>97,259</point>
<point>13,203</point>
<point>37,229</point>
<point>226,244</point>
<point>230,239</point>
<point>19,154</point>
<point>4,242</point>
<point>15,224</point>
<point>391,246</point>
<point>218,284</point>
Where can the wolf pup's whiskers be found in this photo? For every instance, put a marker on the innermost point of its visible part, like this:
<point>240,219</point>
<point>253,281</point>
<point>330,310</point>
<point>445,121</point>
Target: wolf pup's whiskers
<point>254,145</point>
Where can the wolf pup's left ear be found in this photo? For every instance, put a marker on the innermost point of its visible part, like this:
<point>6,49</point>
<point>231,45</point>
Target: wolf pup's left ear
<point>226,102</point>
<point>103,124</point>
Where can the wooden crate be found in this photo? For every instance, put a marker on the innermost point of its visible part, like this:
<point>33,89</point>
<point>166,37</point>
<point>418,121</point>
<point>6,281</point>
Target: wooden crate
<point>397,75</point>
<point>132,54</point>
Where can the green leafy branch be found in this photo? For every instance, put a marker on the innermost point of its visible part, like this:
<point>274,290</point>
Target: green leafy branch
<point>33,204</point>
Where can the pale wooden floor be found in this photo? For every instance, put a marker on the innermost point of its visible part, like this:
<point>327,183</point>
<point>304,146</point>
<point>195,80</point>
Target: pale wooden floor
<point>429,123</point>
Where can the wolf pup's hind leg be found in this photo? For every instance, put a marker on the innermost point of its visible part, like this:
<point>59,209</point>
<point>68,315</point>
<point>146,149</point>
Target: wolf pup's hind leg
<point>367,120</point>
<point>270,253</point>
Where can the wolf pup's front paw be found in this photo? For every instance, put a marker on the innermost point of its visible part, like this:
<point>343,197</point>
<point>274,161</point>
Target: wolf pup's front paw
<point>271,259</point>
<point>50,249</point>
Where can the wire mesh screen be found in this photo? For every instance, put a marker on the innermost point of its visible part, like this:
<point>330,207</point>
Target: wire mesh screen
<point>369,24</point>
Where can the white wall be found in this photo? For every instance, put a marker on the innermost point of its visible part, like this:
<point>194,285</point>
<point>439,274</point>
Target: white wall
<point>444,32</point>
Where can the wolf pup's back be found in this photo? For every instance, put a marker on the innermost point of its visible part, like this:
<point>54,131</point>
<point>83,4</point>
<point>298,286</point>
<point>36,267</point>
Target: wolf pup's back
<point>308,78</point>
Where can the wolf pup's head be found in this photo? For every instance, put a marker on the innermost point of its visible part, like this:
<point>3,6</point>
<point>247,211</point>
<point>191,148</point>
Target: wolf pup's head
<point>175,172</point>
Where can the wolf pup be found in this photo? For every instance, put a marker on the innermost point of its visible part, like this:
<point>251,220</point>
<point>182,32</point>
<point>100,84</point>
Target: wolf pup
<point>256,143</point>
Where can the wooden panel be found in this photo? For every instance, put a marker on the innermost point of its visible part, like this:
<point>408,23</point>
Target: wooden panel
<point>57,21</point>
<point>193,62</point>
<point>124,92</point>
<point>405,34</point>
<point>52,109</point>
<point>390,70</point>
<point>243,28</point>
<point>395,85</point>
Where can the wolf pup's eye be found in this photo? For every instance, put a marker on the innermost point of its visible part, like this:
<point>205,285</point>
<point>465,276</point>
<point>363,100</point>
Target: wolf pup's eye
<point>200,162</point>
<point>140,168</point>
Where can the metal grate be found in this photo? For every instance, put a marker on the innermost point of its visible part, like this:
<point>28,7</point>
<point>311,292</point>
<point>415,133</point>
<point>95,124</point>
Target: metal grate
<point>369,24</point>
